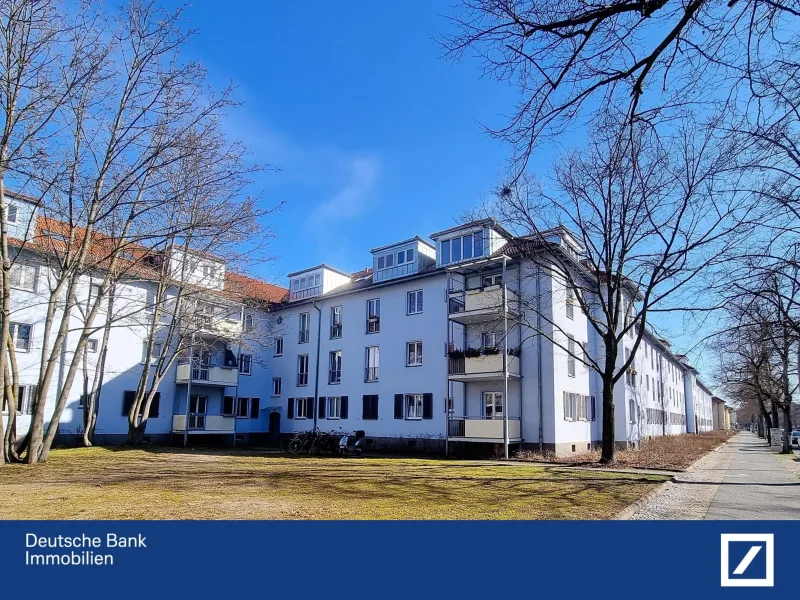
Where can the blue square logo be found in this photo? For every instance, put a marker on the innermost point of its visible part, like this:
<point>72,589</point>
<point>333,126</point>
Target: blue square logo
<point>747,560</point>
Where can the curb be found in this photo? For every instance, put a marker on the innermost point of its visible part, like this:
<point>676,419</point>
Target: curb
<point>630,510</point>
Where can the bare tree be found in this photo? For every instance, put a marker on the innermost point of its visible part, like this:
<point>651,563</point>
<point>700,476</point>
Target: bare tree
<point>570,59</point>
<point>649,215</point>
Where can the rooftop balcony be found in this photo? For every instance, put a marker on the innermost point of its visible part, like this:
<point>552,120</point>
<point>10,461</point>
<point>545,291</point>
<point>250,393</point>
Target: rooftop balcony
<point>482,368</point>
<point>208,375</point>
<point>476,429</point>
<point>481,305</point>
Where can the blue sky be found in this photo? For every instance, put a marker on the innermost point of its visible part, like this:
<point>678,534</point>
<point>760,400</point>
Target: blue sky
<point>375,136</point>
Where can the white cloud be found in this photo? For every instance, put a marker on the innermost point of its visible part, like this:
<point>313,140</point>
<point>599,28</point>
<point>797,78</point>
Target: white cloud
<point>353,199</point>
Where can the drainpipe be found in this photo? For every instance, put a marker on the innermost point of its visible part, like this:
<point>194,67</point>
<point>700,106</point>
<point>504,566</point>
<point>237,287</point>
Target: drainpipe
<point>447,385</point>
<point>505,361</point>
<point>539,354</point>
<point>519,347</point>
<point>188,391</point>
<point>316,370</point>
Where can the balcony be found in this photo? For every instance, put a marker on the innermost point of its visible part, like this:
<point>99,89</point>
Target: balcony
<point>481,368</point>
<point>206,325</point>
<point>481,305</point>
<point>202,423</point>
<point>469,429</point>
<point>208,375</point>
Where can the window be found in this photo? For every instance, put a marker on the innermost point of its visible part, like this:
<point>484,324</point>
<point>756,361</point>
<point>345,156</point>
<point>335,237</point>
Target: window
<point>26,396</point>
<point>413,406</point>
<point>316,280</point>
<point>632,410</point>
<point>414,302</point>
<point>255,406</point>
<point>91,345</point>
<point>410,255</point>
<point>462,248</point>
<point>228,406</point>
<point>23,277</point>
<point>155,352</point>
<point>381,262</point>
<point>208,271</point>
<point>401,257</point>
<point>336,322</point>
<point>570,302</point>
<point>302,369</point>
<point>246,364</point>
<point>373,315</point>
<point>305,325</point>
<point>296,284</point>
<point>334,407</point>
<point>278,351</point>
<point>491,280</point>
<point>276,386</point>
<point>370,408</point>
<point>413,354</point>
<point>242,407</point>
<point>335,367</point>
<point>95,291</point>
<point>248,322</point>
<point>300,408</point>
<point>389,260</point>
<point>21,333</point>
<point>11,214</point>
<point>372,364</point>
<point>570,406</point>
<point>491,339</point>
<point>571,356</point>
<point>492,404</point>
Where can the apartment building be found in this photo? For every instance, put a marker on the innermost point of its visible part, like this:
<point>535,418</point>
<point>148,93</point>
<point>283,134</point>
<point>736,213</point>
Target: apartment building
<point>434,347</point>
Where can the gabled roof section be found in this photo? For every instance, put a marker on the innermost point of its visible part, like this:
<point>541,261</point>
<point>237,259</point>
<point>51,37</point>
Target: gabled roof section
<point>319,266</point>
<point>413,239</point>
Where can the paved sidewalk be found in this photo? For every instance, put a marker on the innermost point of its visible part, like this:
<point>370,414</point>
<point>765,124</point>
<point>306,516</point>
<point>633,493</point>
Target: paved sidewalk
<point>741,480</point>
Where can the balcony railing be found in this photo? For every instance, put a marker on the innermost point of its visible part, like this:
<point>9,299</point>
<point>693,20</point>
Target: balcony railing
<point>488,301</point>
<point>204,423</point>
<point>484,430</point>
<point>489,366</point>
<point>211,374</point>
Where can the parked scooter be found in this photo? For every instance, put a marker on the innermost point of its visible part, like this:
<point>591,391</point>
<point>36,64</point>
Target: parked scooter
<point>351,444</point>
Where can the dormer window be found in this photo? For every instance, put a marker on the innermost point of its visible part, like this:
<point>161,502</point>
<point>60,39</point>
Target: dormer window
<point>389,260</point>
<point>11,214</point>
<point>208,271</point>
<point>462,248</point>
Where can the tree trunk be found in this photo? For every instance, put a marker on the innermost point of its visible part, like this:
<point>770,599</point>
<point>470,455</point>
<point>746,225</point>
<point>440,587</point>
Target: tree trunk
<point>787,428</point>
<point>609,443</point>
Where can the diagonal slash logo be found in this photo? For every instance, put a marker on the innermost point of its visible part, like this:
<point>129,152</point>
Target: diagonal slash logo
<point>748,559</point>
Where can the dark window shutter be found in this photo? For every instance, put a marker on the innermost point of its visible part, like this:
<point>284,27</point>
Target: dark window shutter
<point>154,405</point>
<point>427,406</point>
<point>365,408</point>
<point>398,406</point>
<point>343,412</point>
<point>254,407</point>
<point>290,409</point>
<point>375,407</point>
<point>310,408</point>
<point>127,401</point>
<point>322,407</point>
<point>370,407</point>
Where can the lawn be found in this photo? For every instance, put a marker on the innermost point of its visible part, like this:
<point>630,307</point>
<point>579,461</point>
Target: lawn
<point>671,452</point>
<point>102,483</point>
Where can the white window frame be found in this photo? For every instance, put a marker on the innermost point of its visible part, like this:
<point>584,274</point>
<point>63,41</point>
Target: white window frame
<point>413,406</point>
<point>570,302</point>
<point>335,367</point>
<point>490,280</point>
<point>298,402</point>
<point>336,322</point>
<point>571,368</point>
<point>632,411</point>
<point>414,356</point>
<point>493,396</point>
<point>278,350</point>
<point>418,299</point>
<point>372,367</point>
<point>381,263</point>
<point>248,360</point>
<point>248,322</point>
<point>277,387</point>
<point>333,410</point>
<point>302,377</point>
<point>25,271</point>
<point>570,406</point>
<point>495,337</point>
<point>304,328</point>
<point>14,331</point>
<point>92,345</point>
<point>374,317</point>
<point>240,402</point>
<point>9,208</point>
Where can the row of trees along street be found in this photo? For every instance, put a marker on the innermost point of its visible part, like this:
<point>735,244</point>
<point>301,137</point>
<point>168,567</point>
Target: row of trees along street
<point>684,181</point>
<point>117,140</point>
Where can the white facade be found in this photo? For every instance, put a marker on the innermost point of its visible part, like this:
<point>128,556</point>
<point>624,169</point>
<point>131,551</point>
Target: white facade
<point>418,352</point>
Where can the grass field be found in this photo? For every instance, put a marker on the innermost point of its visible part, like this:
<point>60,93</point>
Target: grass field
<point>102,483</point>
